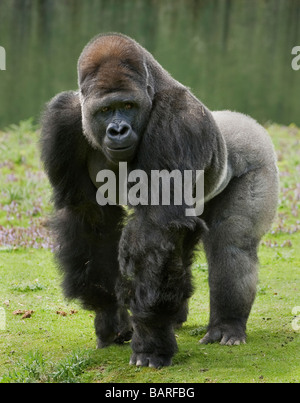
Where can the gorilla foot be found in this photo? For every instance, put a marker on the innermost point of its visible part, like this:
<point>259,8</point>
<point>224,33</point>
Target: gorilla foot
<point>228,335</point>
<point>150,360</point>
<point>119,338</point>
<point>112,325</point>
<point>123,337</point>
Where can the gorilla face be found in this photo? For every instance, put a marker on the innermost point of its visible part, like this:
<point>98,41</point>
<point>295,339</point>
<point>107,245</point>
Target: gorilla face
<point>115,99</point>
<point>112,123</point>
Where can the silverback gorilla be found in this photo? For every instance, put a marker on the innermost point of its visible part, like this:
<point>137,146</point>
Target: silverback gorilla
<point>129,109</point>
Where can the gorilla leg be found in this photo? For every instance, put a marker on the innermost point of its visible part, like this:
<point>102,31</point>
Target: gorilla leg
<point>113,325</point>
<point>88,241</point>
<point>182,315</point>
<point>237,219</point>
<point>232,259</point>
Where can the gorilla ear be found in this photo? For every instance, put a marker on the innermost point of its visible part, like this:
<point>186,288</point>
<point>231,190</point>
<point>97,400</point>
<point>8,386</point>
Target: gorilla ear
<point>149,81</point>
<point>150,92</point>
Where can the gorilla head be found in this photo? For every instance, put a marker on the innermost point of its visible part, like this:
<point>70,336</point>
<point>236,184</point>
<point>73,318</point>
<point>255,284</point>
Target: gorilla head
<point>116,95</point>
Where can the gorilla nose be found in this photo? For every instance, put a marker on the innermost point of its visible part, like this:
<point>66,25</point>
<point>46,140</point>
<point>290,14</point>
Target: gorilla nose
<point>118,130</point>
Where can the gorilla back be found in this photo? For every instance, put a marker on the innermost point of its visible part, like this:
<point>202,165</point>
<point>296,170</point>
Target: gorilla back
<point>129,109</point>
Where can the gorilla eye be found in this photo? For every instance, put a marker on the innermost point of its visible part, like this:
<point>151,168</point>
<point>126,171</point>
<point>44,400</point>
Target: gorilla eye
<point>104,109</point>
<point>128,106</point>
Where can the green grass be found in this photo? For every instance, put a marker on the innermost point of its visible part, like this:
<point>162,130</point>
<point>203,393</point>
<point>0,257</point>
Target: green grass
<point>50,347</point>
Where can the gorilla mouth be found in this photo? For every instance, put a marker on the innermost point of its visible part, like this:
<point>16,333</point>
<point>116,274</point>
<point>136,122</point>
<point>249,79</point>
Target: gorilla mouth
<point>121,153</point>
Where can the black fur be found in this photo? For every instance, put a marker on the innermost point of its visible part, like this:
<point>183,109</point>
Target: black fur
<point>142,263</point>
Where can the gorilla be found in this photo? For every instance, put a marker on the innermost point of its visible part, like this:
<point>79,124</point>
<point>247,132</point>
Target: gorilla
<point>132,265</point>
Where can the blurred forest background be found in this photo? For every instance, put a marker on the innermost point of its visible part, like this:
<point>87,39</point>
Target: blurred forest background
<point>234,54</point>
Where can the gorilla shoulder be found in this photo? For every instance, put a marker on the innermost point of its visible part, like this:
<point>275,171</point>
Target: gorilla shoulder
<point>63,102</point>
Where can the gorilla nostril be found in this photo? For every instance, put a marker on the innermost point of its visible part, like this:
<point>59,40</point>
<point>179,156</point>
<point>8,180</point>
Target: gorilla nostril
<point>124,129</point>
<point>115,129</point>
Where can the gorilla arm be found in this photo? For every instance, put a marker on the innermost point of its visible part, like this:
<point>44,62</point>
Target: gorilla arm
<point>87,235</point>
